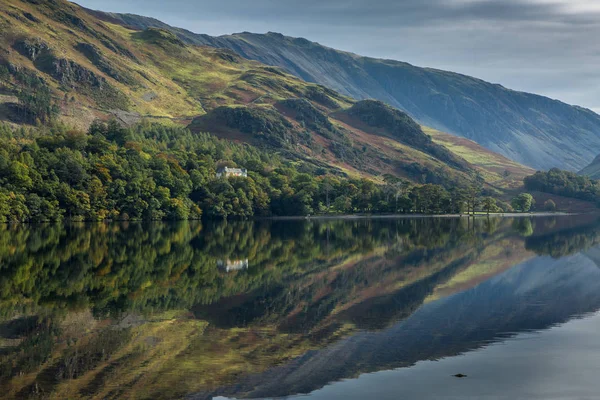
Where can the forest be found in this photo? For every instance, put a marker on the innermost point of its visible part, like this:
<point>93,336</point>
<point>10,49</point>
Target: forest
<point>158,172</point>
<point>564,183</point>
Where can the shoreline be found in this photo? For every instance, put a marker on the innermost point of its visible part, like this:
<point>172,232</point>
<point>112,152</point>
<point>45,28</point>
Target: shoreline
<point>320,217</point>
<point>416,216</point>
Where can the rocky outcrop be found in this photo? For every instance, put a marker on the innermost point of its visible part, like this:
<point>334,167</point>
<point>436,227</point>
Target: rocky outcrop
<point>322,96</point>
<point>309,116</point>
<point>65,71</point>
<point>73,75</point>
<point>252,120</point>
<point>403,128</point>
<point>263,124</point>
<point>69,73</point>
<point>96,57</point>
<point>31,48</point>
<point>306,113</point>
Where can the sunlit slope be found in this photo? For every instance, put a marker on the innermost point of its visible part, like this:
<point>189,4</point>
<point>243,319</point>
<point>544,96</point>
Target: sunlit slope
<point>531,129</point>
<point>99,68</point>
<point>96,68</point>
<point>495,168</point>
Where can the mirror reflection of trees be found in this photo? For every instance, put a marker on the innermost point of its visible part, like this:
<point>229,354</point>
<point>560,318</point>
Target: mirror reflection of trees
<point>137,266</point>
<point>571,239</point>
<point>75,298</point>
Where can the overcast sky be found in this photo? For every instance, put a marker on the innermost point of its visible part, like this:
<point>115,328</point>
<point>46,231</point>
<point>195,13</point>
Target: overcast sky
<point>550,47</point>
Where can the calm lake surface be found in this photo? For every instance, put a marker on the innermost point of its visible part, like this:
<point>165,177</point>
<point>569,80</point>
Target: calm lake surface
<point>336,309</point>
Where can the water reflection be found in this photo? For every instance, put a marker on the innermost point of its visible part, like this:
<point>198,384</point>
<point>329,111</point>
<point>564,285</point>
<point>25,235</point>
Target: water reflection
<point>251,309</point>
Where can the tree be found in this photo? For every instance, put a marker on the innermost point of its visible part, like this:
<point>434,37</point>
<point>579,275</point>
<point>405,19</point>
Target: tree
<point>504,206</point>
<point>472,198</point>
<point>458,199</point>
<point>155,172</point>
<point>564,183</point>
<point>550,205</point>
<point>328,187</point>
<point>342,204</point>
<point>37,102</point>
<point>523,202</point>
<point>430,199</point>
<point>523,226</point>
<point>489,205</point>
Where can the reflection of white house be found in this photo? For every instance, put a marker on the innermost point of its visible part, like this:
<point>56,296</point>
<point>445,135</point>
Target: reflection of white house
<point>227,172</point>
<point>235,265</point>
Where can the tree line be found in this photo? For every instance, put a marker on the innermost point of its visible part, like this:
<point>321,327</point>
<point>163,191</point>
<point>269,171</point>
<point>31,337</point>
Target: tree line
<point>564,183</point>
<point>157,172</point>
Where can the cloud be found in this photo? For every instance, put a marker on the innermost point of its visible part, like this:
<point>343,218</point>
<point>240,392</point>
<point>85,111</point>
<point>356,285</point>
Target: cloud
<point>541,46</point>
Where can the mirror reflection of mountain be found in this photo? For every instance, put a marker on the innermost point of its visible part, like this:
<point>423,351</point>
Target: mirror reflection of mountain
<point>130,310</point>
<point>534,295</point>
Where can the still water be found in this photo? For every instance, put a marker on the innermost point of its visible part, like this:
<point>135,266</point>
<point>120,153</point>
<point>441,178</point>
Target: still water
<point>335,309</point>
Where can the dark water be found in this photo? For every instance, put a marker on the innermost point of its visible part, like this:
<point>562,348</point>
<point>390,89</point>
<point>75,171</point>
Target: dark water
<point>337,309</point>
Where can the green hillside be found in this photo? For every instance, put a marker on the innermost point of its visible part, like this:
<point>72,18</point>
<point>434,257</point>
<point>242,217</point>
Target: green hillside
<point>308,149</point>
<point>534,130</point>
<point>95,69</point>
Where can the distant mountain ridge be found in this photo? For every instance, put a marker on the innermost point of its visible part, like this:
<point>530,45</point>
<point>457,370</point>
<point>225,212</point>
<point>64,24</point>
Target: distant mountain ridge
<point>58,61</point>
<point>528,128</point>
<point>593,169</point>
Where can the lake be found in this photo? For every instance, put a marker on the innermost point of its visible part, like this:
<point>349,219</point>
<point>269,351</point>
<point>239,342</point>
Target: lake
<point>330,309</point>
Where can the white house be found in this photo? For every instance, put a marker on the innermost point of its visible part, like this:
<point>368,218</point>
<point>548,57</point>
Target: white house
<point>232,265</point>
<point>227,172</point>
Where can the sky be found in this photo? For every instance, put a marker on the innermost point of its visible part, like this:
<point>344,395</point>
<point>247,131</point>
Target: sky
<point>549,47</point>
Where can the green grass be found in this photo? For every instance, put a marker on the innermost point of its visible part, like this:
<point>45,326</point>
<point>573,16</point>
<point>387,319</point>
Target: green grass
<point>496,169</point>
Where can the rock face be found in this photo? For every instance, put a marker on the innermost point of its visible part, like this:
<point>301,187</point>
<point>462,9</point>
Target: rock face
<point>70,73</point>
<point>533,130</point>
<point>31,48</point>
<point>73,75</point>
<point>95,56</point>
<point>65,71</point>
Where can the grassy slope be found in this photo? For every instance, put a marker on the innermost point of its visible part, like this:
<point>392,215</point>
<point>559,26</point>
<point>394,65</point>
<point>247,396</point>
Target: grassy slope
<point>495,168</point>
<point>173,82</point>
<point>169,79</point>
<point>534,130</point>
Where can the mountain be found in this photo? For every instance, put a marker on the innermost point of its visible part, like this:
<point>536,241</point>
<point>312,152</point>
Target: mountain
<point>57,58</point>
<point>592,170</point>
<point>530,129</point>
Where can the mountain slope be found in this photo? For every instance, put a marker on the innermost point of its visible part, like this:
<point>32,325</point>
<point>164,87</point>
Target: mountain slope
<point>531,129</point>
<point>496,169</point>
<point>592,170</point>
<point>56,58</point>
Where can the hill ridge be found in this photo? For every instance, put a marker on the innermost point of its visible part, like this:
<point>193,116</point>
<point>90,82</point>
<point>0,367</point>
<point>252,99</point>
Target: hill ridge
<point>532,129</point>
<point>93,68</point>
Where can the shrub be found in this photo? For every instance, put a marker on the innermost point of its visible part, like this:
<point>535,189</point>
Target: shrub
<point>549,205</point>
